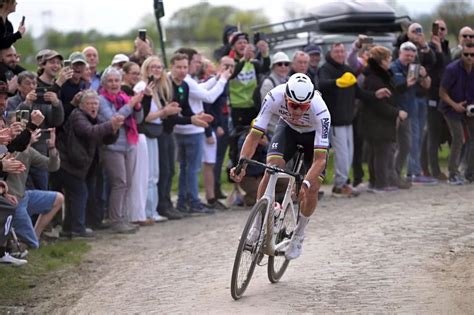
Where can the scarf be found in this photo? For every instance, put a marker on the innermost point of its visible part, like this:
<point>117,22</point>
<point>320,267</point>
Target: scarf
<point>120,100</point>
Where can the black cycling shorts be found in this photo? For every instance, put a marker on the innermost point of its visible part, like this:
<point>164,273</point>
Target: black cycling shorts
<point>285,140</point>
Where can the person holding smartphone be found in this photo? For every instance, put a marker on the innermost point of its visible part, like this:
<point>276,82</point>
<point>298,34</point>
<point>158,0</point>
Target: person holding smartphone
<point>7,36</point>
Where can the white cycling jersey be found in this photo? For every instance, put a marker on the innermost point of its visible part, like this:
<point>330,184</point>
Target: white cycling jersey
<point>317,118</point>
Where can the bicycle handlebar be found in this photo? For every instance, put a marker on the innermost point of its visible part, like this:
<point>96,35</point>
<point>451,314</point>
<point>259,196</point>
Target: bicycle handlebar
<point>243,161</point>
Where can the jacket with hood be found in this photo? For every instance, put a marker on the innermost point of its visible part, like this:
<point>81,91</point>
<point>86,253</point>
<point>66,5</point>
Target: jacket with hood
<point>340,101</point>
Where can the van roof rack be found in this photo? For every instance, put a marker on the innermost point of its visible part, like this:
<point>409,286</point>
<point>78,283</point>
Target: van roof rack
<point>348,17</point>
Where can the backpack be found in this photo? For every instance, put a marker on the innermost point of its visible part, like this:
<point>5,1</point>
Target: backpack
<point>257,100</point>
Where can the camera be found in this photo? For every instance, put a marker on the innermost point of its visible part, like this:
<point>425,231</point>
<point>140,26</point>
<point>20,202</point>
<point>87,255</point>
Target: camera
<point>22,115</point>
<point>67,63</point>
<point>470,110</point>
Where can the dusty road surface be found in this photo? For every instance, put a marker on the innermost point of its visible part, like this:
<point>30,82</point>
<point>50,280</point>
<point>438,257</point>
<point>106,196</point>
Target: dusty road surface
<point>403,252</point>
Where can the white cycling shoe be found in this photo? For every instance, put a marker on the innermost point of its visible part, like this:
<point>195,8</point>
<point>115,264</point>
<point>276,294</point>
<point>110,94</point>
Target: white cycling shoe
<point>295,247</point>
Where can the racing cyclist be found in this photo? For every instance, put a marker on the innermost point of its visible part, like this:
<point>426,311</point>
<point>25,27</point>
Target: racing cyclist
<point>304,120</point>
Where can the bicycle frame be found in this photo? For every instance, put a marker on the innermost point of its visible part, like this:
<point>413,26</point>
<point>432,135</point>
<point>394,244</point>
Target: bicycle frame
<point>269,246</point>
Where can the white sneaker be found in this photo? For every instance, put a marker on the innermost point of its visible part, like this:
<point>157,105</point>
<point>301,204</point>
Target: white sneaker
<point>295,248</point>
<point>159,218</point>
<point>252,237</point>
<point>7,259</point>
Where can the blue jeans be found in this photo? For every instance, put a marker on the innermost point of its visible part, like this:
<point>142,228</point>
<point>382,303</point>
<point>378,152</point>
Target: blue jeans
<point>417,121</point>
<point>190,159</point>
<point>34,202</point>
<point>37,179</point>
<point>76,194</point>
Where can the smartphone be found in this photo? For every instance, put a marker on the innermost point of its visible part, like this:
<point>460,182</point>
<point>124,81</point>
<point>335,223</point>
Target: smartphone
<point>366,40</point>
<point>18,115</point>
<point>44,130</point>
<point>23,20</point>
<point>67,63</point>
<point>9,75</point>
<point>413,71</point>
<point>142,34</point>
<point>151,78</point>
<point>25,115</point>
<point>435,29</point>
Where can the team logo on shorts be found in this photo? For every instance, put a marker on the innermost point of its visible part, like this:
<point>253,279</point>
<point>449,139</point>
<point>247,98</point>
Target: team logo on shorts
<point>325,128</point>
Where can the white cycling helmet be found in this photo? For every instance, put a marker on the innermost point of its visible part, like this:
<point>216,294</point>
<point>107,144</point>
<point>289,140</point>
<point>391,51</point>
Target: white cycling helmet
<point>299,88</point>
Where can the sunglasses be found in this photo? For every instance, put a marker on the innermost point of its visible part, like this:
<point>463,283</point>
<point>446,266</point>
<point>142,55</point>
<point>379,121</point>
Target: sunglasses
<point>442,28</point>
<point>467,36</point>
<point>418,30</point>
<point>468,54</point>
<point>303,106</point>
<point>281,64</point>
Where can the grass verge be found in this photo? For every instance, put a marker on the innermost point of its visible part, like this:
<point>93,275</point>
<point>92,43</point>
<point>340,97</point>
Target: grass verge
<point>16,282</point>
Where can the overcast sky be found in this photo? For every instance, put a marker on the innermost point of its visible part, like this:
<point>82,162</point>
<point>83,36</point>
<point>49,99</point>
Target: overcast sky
<point>119,16</point>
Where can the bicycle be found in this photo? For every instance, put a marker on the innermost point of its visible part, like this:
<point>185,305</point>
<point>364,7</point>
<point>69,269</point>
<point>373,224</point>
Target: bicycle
<point>267,232</point>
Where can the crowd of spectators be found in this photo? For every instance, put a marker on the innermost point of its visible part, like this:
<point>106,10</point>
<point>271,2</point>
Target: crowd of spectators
<point>101,144</point>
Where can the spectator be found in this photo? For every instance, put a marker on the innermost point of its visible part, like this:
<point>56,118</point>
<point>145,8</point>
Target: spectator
<point>244,80</point>
<point>155,108</point>
<point>406,100</point>
<point>339,90</point>
<point>378,121</point>
<point>9,68</point>
<point>49,68</point>
<point>130,77</point>
<point>190,139</point>
<point>30,202</point>
<point>26,91</point>
<point>7,210</point>
<point>221,113</point>
<point>300,64</point>
<point>119,60</point>
<point>92,57</point>
<point>120,157</point>
<point>314,52</point>
<point>280,68</point>
<point>436,124</point>
<point>357,60</point>
<point>143,50</point>
<point>226,47</point>
<point>70,89</point>
<point>8,37</point>
<point>466,35</point>
<point>181,91</point>
<point>84,132</point>
<point>456,92</point>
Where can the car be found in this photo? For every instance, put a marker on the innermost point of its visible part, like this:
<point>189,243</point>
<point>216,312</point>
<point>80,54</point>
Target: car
<point>335,22</point>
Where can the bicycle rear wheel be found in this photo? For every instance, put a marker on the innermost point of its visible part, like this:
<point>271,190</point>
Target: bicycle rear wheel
<point>277,264</point>
<point>248,250</point>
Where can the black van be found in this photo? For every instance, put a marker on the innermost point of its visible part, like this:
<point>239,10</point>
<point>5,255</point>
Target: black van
<point>335,22</point>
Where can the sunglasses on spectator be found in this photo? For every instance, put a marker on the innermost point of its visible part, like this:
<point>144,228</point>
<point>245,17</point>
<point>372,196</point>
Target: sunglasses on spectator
<point>467,36</point>
<point>303,106</point>
<point>409,49</point>
<point>442,28</point>
<point>281,64</point>
<point>468,55</point>
<point>418,30</point>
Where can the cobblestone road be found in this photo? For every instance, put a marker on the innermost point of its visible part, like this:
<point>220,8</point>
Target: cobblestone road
<point>404,252</point>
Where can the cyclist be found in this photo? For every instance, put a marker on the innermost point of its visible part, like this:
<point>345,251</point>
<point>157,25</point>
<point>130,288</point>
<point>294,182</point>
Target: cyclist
<point>304,120</point>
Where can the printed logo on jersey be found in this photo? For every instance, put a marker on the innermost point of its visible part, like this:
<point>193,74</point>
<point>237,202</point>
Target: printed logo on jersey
<point>275,145</point>
<point>325,128</point>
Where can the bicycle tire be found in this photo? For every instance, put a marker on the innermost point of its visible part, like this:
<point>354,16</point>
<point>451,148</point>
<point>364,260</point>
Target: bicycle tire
<point>275,273</point>
<point>238,288</point>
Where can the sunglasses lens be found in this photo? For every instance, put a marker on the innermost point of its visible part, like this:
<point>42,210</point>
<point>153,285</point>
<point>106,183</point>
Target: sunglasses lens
<point>303,106</point>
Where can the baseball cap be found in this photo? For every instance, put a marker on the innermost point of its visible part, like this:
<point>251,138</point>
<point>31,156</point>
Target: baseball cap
<point>408,46</point>
<point>77,57</point>
<point>47,54</point>
<point>312,49</point>
<point>3,88</point>
<point>279,57</point>
<point>118,58</point>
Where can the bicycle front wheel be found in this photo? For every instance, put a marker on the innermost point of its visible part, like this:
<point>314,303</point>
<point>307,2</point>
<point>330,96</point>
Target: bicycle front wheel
<point>277,264</point>
<point>248,250</point>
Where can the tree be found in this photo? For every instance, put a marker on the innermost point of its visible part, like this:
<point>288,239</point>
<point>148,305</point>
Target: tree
<point>204,23</point>
<point>456,14</point>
